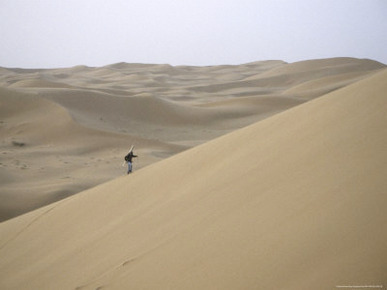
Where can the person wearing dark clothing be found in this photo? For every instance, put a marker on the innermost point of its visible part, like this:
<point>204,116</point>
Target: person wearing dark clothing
<point>128,159</point>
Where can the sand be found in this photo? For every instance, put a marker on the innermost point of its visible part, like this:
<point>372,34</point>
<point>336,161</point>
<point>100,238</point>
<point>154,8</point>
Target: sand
<point>294,201</point>
<point>65,130</point>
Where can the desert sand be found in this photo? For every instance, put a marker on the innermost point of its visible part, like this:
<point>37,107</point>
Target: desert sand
<point>295,200</point>
<point>66,130</point>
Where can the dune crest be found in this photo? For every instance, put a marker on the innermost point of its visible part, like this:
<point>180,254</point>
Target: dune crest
<point>275,205</point>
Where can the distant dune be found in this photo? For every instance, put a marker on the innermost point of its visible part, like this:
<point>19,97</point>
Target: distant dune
<point>296,201</point>
<point>66,130</point>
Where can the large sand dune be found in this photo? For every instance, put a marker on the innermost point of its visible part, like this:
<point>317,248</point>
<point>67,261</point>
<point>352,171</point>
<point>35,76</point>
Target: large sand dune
<point>296,201</point>
<point>65,130</point>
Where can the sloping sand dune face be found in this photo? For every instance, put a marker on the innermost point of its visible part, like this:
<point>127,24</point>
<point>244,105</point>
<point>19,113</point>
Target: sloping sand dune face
<point>296,201</point>
<point>65,130</point>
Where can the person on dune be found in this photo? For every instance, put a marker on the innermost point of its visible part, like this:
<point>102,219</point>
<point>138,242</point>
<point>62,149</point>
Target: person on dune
<point>128,159</point>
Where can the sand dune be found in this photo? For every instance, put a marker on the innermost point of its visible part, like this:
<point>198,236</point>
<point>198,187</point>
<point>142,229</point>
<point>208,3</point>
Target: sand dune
<point>296,201</point>
<point>47,156</point>
<point>77,123</point>
<point>324,85</point>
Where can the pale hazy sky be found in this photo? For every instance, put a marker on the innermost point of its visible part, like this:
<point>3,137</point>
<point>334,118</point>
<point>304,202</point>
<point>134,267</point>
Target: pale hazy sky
<point>63,33</point>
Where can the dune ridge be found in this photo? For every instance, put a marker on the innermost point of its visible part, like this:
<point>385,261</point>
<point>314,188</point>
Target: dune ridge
<point>295,201</point>
<point>75,124</point>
